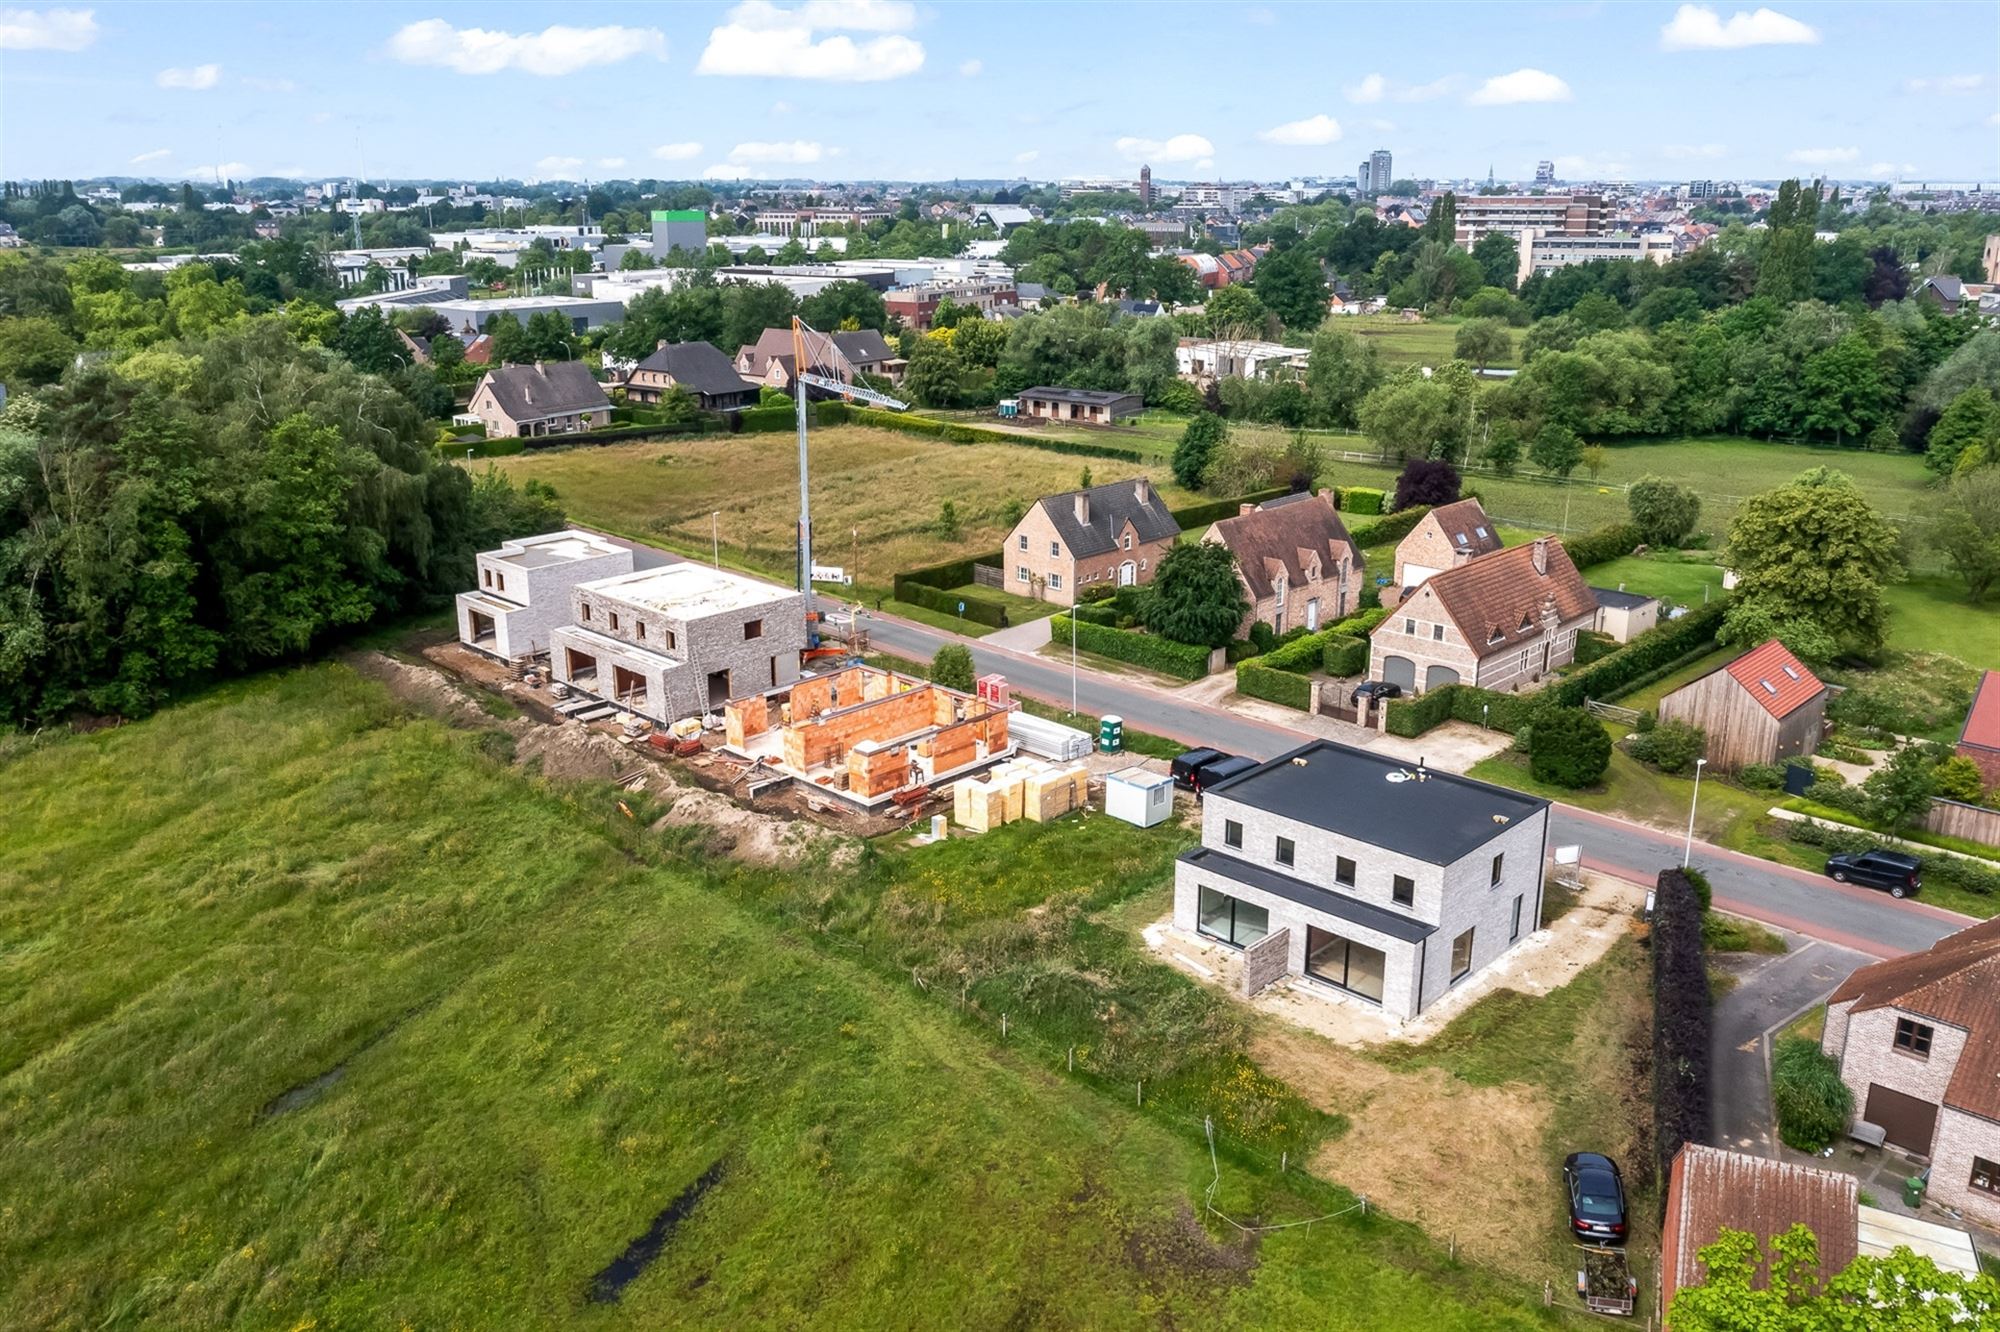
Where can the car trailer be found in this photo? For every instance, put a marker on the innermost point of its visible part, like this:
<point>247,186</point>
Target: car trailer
<point>1605,1282</point>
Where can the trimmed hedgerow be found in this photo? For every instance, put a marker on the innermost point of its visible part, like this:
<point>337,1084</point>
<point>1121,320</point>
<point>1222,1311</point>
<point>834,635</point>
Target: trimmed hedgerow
<point>1256,680</point>
<point>1681,1019</point>
<point>1602,545</point>
<point>1951,871</point>
<point>1392,528</point>
<point>952,432</point>
<point>1362,500</point>
<point>1344,655</point>
<point>1191,516</point>
<point>1183,661</point>
<point>1659,649</point>
<point>938,599</point>
<point>1512,713</point>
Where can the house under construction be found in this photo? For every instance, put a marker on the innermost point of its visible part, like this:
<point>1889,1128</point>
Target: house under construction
<point>868,735</point>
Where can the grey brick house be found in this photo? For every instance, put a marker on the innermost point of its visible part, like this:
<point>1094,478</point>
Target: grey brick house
<point>523,593</point>
<point>1353,875</point>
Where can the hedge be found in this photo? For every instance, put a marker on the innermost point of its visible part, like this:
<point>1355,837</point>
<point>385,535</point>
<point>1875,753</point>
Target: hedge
<point>482,448</point>
<point>1344,655</point>
<point>1682,1016</point>
<point>938,599</point>
<point>1512,713</point>
<point>952,432</point>
<point>757,420</point>
<point>1951,871</point>
<point>1807,1091</point>
<point>1098,612</point>
<point>1256,680</point>
<point>1361,500</point>
<point>1183,661</point>
<point>1305,653</point>
<point>1658,649</point>
<point>951,573</point>
<point>1392,528</point>
<point>1211,511</point>
<point>1603,544</point>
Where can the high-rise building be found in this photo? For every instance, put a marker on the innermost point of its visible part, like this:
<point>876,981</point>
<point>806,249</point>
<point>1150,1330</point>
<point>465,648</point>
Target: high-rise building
<point>1535,214</point>
<point>1545,173</point>
<point>1380,172</point>
<point>1361,178</point>
<point>1145,187</point>
<point>1701,189</point>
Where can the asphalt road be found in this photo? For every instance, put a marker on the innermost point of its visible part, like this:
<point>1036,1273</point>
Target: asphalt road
<point>1808,904</point>
<point>1770,991</point>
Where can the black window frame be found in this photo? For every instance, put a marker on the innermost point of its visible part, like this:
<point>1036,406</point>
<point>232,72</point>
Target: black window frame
<point>1344,871</point>
<point>1234,902</point>
<point>1499,868</point>
<point>1285,851</point>
<point>1232,834</point>
<point>1403,890</point>
<point>1515,935</point>
<point>1985,1175</point>
<point>1914,1038</point>
<point>1460,973</point>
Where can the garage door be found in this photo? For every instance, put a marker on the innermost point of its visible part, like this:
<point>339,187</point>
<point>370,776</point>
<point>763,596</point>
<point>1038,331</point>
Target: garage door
<point>1400,671</point>
<point>1439,676</point>
<point>1907,1121</point>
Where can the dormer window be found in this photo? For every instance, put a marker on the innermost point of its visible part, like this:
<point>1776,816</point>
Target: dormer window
<point>1128,541</point>
<point>1527,623</point>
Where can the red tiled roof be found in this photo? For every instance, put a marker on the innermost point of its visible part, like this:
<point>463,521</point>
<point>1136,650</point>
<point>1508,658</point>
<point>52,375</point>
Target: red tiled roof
<point>1498,601</point>
<point>1779,681</point>
<point>1953,981</point>
<point>1982,724</point>
<point>1709,1189</point>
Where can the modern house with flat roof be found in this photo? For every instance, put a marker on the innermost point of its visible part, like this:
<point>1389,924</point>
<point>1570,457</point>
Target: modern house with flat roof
<point>1090,406</point>
<point>680,640</point>
<point>1348,873</point>
<point>524,587</point>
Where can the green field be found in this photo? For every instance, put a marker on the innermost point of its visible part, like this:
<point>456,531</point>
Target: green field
<point>1426,342</point>
<point>314,1014</point>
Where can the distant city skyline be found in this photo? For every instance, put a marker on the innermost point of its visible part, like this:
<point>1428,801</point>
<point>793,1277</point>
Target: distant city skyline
<point>882,89</point>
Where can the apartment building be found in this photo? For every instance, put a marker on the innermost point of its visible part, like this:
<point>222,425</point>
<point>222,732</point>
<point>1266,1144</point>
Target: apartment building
<point>1540,214</point>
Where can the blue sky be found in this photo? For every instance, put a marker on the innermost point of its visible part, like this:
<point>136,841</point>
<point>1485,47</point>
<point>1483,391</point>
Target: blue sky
<point>880,88</point>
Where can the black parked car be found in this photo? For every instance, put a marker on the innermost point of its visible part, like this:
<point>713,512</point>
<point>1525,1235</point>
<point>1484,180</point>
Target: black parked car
<point>1596,1199</point>
<point>1221,770</point>
<point>1188,764</point>
<point>1376,689</point>
<point>1895,871</point>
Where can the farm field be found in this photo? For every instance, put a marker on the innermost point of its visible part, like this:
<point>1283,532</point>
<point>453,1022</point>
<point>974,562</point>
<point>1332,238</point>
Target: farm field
<point>876,495</point>
<point>319,1014</point>
<point>1428,342</point>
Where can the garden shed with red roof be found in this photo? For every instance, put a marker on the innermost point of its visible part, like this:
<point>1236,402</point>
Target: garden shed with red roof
<point>1764,707</point>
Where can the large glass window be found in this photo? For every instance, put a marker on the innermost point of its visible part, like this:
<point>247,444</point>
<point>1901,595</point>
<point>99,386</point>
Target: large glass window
<point>1352,966</point>
<point>1517,921</point>
<point>1461,955</point>
<point>1230,920</point>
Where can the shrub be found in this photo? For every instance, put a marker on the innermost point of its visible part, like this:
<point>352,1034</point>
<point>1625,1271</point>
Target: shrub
<point>1204,435</point>
<point>1344,655</point>
<point>1681,1018</point>
<point>1363,500</point>
<point>1097,612</point>
<point>1594,646</point>
<point>1648,719</point>
<point>1304,652</point>
<point>1958,778</point>
<point>1256,680</point>
<point>1098,592</point>
<point>1262,637</point>
<point>1671,746</point>
<point>1664,512</point>
<point>1761,776</point>
<point>952,667</point>
<point>1570,748</point>
<point>1425,481</point>
<point>1652,654</point>
<point>1812,1101</point>
<point>1512,713</point>
<point>1183,661</point>
<point>1197,597</point>
<point>1601,545</point>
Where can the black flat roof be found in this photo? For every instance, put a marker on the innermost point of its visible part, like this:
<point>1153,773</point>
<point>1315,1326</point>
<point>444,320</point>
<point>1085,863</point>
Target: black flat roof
<point>1611,596</point>
<point>1311,896</point>
<point>1356,793</point>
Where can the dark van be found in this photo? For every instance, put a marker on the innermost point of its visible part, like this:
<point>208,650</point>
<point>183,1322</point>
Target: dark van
<point>1188,764</point>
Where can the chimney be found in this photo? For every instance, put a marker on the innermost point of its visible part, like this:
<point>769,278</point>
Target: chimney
<point>1244,508</point>
<point>1144,490</point>
<point>1541,556</point>
<point>1083,508</point>
<point>661,345</point>
<point>1327,495</point>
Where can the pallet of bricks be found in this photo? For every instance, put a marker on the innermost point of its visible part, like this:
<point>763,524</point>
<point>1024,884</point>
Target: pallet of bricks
<point>1021,789</point>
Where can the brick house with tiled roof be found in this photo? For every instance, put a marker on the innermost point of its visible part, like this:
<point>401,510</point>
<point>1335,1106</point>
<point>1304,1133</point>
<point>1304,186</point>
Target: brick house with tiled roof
<point>1116,533</point>
<point>1980,740</point>
<point>1764,707</point>
<point>1298,566</point>
<point>1444,538</point>
<point>1918,1040</point>
<point>1501,621</point>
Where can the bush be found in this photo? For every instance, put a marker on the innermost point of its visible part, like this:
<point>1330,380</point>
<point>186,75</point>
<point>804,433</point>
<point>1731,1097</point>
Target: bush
<point>952,667</point>
<point>1812,1101</point>
<point>1344,655</point>
<point>1183,661</point>
<point>1958,778</point>
<point>1664,512</point>
<point>1191,516</point>
<point>1681,1018</point>
<point>1601,545</point>
<point>1304,653</point>
<point>1097,612</point>
<point>1652,654</point>
<point>1363,500</point>
<point>1512,713</point>
<point>1569,747</point>
<point>990,613</point>
<point>1426,481</point>
<point>1384,530</point>
<point>1671,746</point>
<point>1761,776</point>
<point>1256,680</point>
<point>1262,637</point>
<point>1594,646</point>
<point>1702,891</point>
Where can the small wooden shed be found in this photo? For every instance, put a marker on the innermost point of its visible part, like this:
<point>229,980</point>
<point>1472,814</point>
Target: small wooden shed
<point>1763,707</point>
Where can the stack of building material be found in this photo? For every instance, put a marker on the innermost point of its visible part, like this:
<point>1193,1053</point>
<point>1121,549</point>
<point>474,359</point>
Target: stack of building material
<point>1051,740</point>
<point>978,804</point>
<point>1052,793</point>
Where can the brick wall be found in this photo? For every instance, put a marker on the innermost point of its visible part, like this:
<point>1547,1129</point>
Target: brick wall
<point>1265,962</point>
<point>1426,547</point>
<point>1044,556</point>
<point>1960,1137</point>
<point>1865,1045</point>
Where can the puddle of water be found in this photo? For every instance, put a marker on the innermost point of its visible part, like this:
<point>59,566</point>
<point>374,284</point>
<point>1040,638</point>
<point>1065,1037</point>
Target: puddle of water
<point>608,1285</point>
<point>304,1092</point>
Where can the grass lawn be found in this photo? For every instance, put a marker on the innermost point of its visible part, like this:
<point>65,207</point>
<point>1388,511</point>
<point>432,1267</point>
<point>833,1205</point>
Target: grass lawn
<point>1929,612</point>
<point>1683,579</point>
<point>1649,697</point>
<point>1429,342</point>
<point>876,495</point>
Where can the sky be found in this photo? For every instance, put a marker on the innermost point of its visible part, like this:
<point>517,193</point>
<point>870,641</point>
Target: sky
<point>883,89</point>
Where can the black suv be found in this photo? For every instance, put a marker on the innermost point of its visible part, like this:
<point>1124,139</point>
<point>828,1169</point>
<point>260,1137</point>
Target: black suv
<point>1377,689</point>
<point>1897,872</point>
<point>1596,1199</point>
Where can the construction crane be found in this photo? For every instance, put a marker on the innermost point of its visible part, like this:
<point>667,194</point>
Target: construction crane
<point>818,362</point>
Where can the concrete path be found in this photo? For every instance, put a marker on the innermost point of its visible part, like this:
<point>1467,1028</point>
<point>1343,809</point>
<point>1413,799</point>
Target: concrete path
<point>1022,637</point>
<point>1770,992</point>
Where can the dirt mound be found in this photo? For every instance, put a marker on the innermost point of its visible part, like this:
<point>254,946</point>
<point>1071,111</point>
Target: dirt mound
<point>428,690</point>
<point>1416,1138</point>
<point>571,751</point>
<point>1177,1248</point>
<point>755,837</point>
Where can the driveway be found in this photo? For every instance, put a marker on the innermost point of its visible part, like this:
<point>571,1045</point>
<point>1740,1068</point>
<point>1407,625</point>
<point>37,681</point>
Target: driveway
<point>1769,993</point>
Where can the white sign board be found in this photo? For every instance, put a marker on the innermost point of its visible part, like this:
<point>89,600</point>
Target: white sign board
<point>830,573</point>
<point>1569,855</point>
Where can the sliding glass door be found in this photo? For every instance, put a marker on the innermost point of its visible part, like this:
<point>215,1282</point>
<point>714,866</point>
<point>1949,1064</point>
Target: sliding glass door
<point>1353,967</point>
<point>1232,921</point>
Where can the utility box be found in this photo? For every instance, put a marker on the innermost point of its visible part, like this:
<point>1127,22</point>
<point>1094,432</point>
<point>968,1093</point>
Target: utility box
<point>1111,734</point>
<point>1138,796</point>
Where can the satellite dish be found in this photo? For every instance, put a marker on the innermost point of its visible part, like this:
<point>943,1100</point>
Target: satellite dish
<point>1397,776</point>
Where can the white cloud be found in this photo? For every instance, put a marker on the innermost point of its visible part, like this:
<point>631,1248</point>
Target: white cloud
<point>47,29</point>
<point>1682,152</point>
<point>1024,158</point>
<point>1180,148</point>
<point>972,69</point>
<point>1948,84</point>
<point>223,171</point>
<point>195,78</point>
<point>781,108</point>
<point>1374,88</point>
<point>156,155</point>
<point>1822,156</point>
<point>1370,89</point>
<point>758,39</point>
<point>1699,28</point>
<point>1523,85</point>
<point>1886,170</point>
<point>794,153</point>
<point>611,163</point>
<point>560,167</point>
<point>677,152</point>
<point>1311,131</point>
<point>727,171</point>
<point>553,51</point>
<point>257,84</point>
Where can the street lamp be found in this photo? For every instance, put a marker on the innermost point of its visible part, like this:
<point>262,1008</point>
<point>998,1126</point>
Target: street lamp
<point>715,537</point>
<point>1687,851</point>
